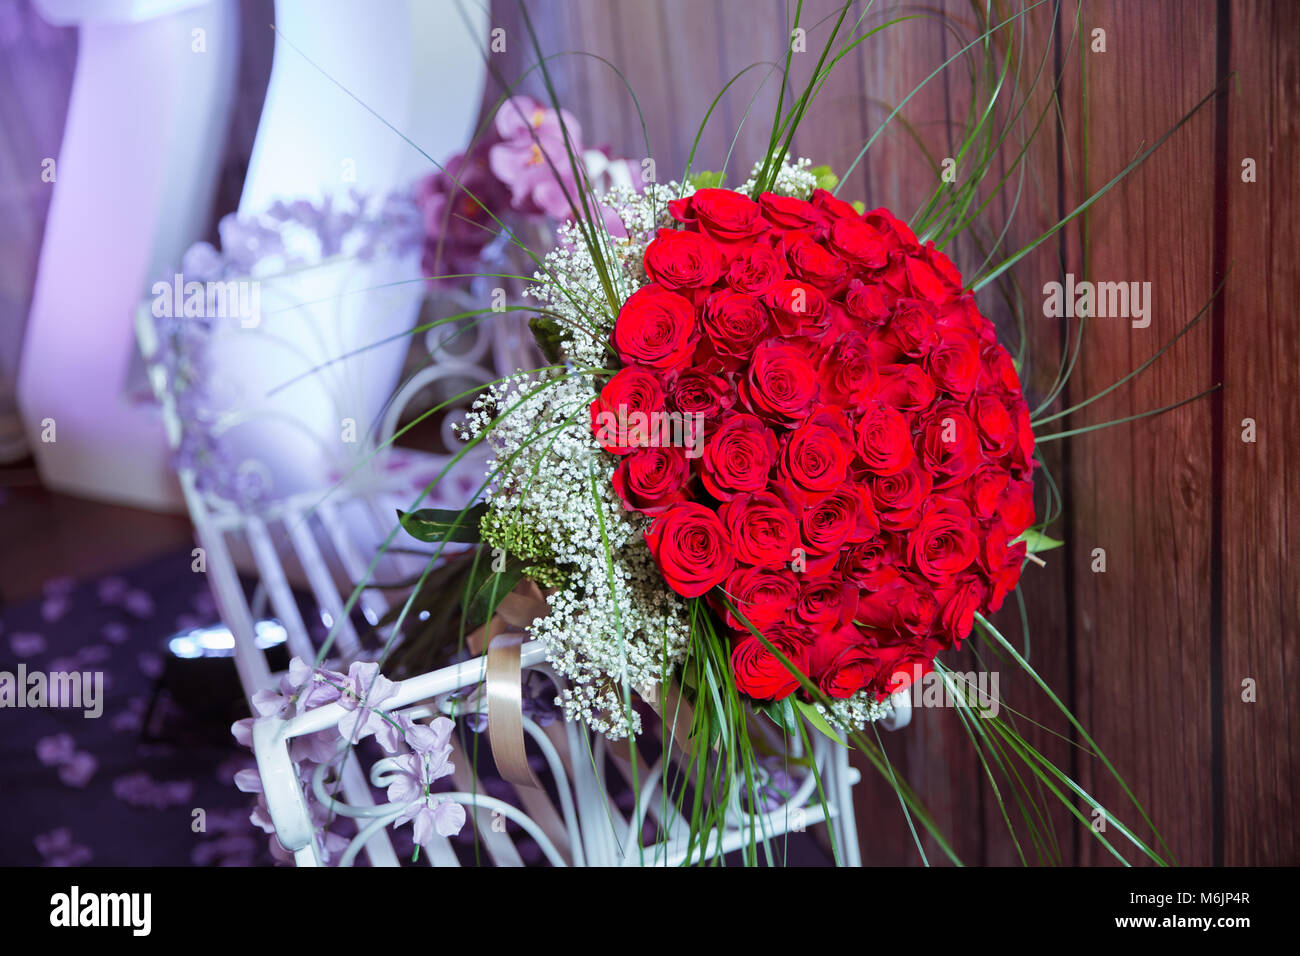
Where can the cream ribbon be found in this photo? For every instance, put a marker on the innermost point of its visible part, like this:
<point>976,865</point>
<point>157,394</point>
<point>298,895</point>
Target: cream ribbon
<point>504,680</point>
<point>504,687</point>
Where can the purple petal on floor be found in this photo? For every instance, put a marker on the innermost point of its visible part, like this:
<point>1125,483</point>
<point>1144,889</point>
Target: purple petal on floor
<point>58,586</point>
<point>55,750</point>
<point>54,607</point>
<point>139,603</point>
<point>141,790</point>
<point>111,589</point>
<point>204,604</point>
<point>129,721</point>
<point>151,664</point>
<point>57,848</point>
<point>93,654</point>
<point>77,771</point>
<point>26,643</point>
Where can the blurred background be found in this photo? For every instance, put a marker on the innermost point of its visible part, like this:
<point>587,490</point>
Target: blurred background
<point>142,137</point>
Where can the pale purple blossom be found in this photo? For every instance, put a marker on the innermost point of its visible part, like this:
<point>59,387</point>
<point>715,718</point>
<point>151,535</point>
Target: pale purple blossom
<point>428,812</point>
<point>366,690</point>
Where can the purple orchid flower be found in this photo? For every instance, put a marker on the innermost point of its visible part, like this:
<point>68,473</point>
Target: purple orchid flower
<point>366,690</point>
<point>429,761</point>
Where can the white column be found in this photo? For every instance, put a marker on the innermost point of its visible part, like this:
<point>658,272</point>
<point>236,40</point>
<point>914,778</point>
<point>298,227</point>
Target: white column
<point>134,185</point>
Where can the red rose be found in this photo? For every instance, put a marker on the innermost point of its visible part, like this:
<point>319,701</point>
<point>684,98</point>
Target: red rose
<point>825,602</point>
<point>682,260</point>
<point>796,306</point>
<point>829,523</point>
<point>997,431</point>
<point>926,283</point>
<point>943,266</point>
<point>762,528</point>
<point>902,607</point>
<point>1016,507</point>
<point>690,546</point>
<point>629,412</point>
<point>847,375</point>
<point>781,384</point>
<point>700,394</point>
<point>944,541</point>
<point>884,440</point>
<point>906,387</point>
<point>816,457</point>
<point>738,457</point>
<point>813,262</point>
<point>960,600</point>
<point>887,222</point>
<point>899,666</point>
<point>984,491</point>
<point>787,213</point>
<point>843,662</point>
<point>868,564</point>
<point>723,215</point>
<point>867,302</point>
<point>1024,439</point>
<point>954,362</point>
<point>950,448</point>
<point>832,207</point>
<point>735,324</point>
<point>651,479</point>
<point>762,596</point>
<point>755,270</point>
<point>655,327</point>
<point>861,242</point>
<point>760,673</point>
<point>898,497</point>
<point>1002,561</point>
<point>911,329</point>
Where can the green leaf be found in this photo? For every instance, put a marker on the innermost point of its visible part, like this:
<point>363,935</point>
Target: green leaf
<point>788,719</point>
<point>1037,541</point>
<point>438,524</point>
<point>818,721</point>
<point>489,588</point>
<point>859,206</point>
<point>826,178</point>
<point>546,332</point>
<point>707,180</point>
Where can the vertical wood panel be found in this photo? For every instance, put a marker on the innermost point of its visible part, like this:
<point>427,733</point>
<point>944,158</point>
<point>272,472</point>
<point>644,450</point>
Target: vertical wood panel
<point>1141,491</point>
<point>1261,481</point>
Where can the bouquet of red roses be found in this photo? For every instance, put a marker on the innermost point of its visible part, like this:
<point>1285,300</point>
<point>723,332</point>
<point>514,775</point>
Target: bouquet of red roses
<point>858,450</point>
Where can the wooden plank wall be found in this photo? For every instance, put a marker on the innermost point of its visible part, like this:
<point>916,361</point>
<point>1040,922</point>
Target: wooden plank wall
<point>1198,592</point>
